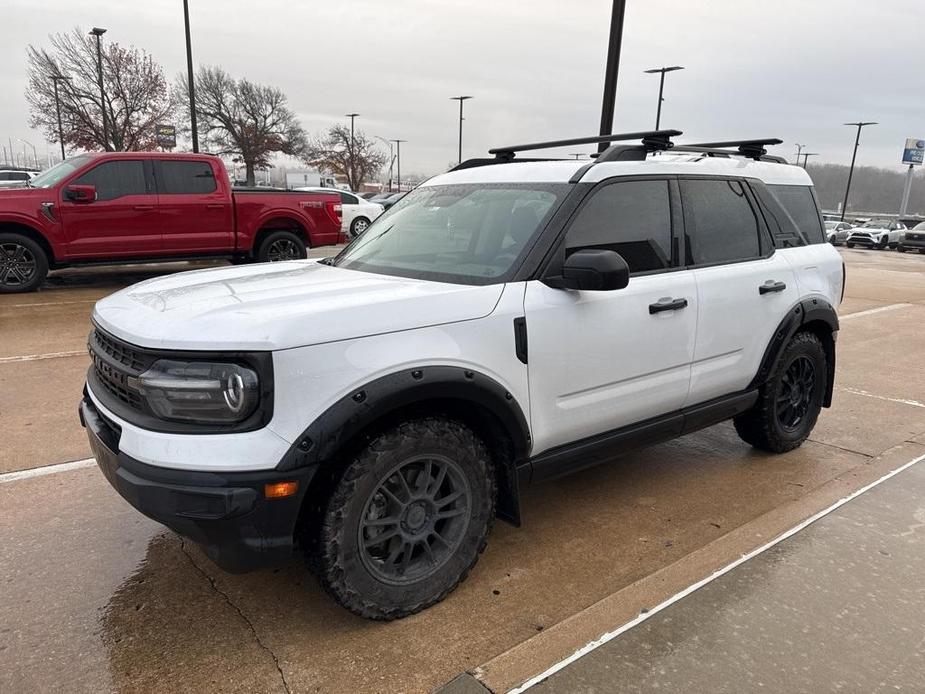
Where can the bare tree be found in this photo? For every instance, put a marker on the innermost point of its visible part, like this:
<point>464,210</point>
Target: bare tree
<point>137,97</point>
<point>357,159</point>
<point>242,119</point>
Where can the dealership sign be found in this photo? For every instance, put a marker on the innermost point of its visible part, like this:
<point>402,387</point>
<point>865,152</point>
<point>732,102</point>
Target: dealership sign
<point>166,136</point>
<point>914,151</point>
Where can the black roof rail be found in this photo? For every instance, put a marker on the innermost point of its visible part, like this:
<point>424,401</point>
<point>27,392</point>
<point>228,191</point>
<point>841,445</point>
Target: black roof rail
<point>651,140</point>
<point>484,161</point>
<point>753,149</point>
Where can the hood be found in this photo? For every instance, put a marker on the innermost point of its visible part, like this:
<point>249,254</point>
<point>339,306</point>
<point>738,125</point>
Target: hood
<point>282,305</point>
<point>15,195</point>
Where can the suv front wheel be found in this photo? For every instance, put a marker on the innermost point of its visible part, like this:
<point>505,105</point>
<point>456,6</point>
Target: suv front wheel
<point>789,402</point>
<point>407,520</point>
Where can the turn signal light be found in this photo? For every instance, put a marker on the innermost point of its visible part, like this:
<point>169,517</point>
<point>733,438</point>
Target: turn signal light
<point>280,490</point>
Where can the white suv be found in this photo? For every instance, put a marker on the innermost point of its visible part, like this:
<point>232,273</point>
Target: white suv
<point>505,323</point>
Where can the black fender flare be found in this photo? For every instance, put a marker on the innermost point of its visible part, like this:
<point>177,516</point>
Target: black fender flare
<point>364,406</point>
<point>813,310</point>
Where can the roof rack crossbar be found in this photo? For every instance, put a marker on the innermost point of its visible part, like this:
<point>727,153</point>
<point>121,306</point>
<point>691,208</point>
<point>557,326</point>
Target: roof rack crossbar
<point>753,149</point>
<point>656,139</point>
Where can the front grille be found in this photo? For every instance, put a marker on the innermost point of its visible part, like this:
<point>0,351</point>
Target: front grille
<point>116,365</point>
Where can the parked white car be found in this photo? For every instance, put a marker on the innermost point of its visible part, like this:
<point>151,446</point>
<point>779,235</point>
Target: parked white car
<point>357,214</point>
<point>837,232</point>
<point>877,233</point>
<point>16,179</point>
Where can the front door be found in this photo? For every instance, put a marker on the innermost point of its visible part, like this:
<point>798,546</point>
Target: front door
<point>602,360</point>
<point>122,221</point>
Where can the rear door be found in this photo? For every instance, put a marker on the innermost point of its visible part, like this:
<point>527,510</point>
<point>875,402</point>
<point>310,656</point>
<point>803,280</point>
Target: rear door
<point>744,288</point>
<point>122,221</point>
<point>196,212</point>
<point>602,360</point>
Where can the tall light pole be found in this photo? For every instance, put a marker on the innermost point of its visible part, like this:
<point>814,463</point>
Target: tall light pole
<point>612,68</point>
<point>35,156</point>
<point>98,33</point>
<point>189,78</point>
<point>799,152</point>
<point>352,117</point>
<point>391,158</point>
<point>398,157</point>
<point>460,99</point>
<point>807,155</point>
<point>857,141</point>
<point>661,88</point>
<point>55,79</point>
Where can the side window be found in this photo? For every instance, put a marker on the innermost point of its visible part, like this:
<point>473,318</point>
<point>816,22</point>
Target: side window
<point>4,176</point>
<point>347,199</point>
<point>801,206</point>
<point>113,179</point>
<point>720,224</point>
<point>190,177</point>
<point>632,218</point>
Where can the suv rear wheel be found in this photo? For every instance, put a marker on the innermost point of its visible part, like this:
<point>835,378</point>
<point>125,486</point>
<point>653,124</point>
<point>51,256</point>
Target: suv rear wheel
<point>407,520</point>
<point>789,403</point>
<point>23,264</point>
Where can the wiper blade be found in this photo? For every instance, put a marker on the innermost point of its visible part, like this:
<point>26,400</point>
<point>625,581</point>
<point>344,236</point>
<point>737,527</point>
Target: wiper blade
<point>327,261</point>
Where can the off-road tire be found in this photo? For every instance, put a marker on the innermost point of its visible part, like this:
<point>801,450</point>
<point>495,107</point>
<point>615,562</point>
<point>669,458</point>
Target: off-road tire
<point>760,426</point>
<point>286,242</point>
<point>339,560</point>
<point>23,264</point>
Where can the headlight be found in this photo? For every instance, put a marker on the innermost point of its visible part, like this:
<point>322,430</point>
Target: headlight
<point>193,391</point>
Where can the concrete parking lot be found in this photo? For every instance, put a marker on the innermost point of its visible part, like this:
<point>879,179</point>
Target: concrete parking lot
<point>96,597</point>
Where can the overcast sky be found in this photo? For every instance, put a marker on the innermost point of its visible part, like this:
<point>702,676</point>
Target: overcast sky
<point>794,69</point>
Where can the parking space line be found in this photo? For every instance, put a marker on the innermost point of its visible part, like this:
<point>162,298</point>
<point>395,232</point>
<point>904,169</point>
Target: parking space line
<point>609,636</point>
<point>49,303</point>
<point>46,470</point>
<point>901,401</point>
<point>38,357</point>
<point>871,311</point>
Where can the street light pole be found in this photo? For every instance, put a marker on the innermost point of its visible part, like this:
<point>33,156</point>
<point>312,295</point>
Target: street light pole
<point>190,79</point>
<point>398,157</point>
<point>806,156</point>
<point>613,67</point>
<point>55,79</point>
<point>352,117</point>
<point>460,99</point>
<point>799,151</point>
<point>661,88</point>
<point>391,158</point>
<point>857,141</point>
<point>98,33</point>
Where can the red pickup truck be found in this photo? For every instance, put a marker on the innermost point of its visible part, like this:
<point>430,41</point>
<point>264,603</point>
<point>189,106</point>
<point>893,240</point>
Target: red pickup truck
<point>119,207</point>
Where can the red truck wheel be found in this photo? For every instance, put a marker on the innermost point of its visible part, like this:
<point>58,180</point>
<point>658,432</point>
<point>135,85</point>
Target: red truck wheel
<point>281,245</point>
<point>23,264</point>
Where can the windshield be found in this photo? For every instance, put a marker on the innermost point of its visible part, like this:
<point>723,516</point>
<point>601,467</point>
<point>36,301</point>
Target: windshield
<point>58,172</point>
<point>465,234</point>
<point>831,225</point>
<point>919,227</point>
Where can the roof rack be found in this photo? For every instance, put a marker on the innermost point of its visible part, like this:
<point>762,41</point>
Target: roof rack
<point>753,149</point>
<point>652,140</point>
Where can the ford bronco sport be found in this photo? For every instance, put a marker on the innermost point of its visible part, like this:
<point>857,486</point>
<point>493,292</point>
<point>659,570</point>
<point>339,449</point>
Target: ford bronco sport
<point>505,323</point>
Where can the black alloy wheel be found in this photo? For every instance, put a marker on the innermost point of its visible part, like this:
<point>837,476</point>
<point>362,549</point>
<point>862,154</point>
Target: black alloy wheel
<point>18,265</point>
<point>796,393</point>
<point>283,249</point>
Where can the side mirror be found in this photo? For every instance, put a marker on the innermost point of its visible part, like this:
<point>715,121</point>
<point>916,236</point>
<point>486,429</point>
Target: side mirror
<point>80,193</point>
<point>592,269</point>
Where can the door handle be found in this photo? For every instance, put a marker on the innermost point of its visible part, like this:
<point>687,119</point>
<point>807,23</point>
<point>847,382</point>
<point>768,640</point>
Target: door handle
<point>215,206</point>
<point>143,208</point>
<point>771,286</point>
<point>667,304</point>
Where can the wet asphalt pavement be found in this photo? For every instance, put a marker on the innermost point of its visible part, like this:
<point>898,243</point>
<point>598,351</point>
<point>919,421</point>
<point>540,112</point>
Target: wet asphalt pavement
<point>95,597</point>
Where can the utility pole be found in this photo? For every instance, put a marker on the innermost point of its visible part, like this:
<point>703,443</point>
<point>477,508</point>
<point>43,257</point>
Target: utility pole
<point>398,156</point>
<point>352,117</point>
<point>98,33</point>
<point>857,141</point>
<point>55,79</point>
<point>460,99</point>
<point>661,88</point>
<point>907,189</point>
<point>190,79</point>
<point>612,69</point>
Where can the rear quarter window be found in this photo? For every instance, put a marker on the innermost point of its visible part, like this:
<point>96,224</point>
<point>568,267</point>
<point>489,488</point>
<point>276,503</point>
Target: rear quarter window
<point>800,203</point>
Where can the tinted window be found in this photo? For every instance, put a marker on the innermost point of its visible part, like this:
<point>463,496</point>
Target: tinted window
<point>720,223</point>
<point>114,179</point>
<point>14,176</point>
<point>632,218</point>
<point>4,176</point>
<point>179,177</point>
<point>801,206</point>
<point>348,199</point>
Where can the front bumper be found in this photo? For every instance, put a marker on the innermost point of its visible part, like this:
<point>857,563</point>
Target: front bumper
<point>226,513</point>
